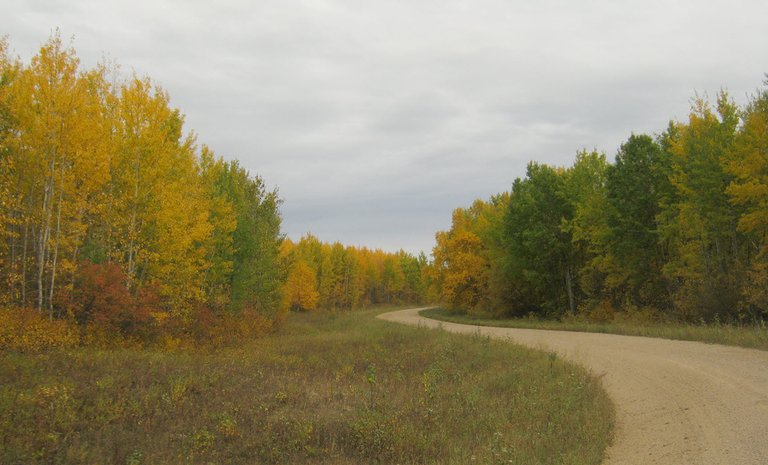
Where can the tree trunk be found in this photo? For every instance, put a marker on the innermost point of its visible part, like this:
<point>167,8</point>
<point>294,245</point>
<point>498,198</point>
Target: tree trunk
<point>24,265</point>
<point>569,289</point>
<point>12,263</point>
<point>345,293</point>
<point>132,228</point>
<point>45,233</point>
<point>40,269</point>
<point>55,253</point>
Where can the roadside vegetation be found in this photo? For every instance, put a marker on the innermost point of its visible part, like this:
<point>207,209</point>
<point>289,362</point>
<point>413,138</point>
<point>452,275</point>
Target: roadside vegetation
<point>750,336</point>
<point>152,311</point>
<point>341,388</point>
<point>673,230</point>
<point>116,222</point>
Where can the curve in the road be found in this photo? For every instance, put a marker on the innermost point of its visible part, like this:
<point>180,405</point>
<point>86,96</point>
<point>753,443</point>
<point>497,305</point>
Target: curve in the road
<point>677,402</point>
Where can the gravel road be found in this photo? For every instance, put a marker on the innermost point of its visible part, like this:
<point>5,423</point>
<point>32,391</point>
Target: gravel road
<point>677,402</point>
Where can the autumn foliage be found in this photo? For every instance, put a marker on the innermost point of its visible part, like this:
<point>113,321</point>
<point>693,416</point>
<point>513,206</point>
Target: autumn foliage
<point>113,216</point>
<point>676,228</point>
<point>334,276</point>
<point>301,287</point>
<point>102,298</point>
<point>114,219</point>
<point>26,330</point>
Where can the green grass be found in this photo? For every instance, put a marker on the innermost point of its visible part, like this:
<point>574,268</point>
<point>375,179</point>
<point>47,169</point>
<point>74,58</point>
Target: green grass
<point>753,336</point>
<point>329,389</point>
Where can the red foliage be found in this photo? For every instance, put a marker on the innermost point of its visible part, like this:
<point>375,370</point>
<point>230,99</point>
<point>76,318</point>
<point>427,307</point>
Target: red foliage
<point>106,308</point>
<point>147,302</point>
<point>101,297</point>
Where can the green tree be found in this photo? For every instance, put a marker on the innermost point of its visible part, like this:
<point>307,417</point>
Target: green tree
<point>637,187</point>
<point>539,243</point>
<point>256,277</point>
<point>220,246</point>
<point>585,187</point>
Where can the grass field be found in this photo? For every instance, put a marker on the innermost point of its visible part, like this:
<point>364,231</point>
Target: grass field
<point>335,389</point>
<point>752,336</point>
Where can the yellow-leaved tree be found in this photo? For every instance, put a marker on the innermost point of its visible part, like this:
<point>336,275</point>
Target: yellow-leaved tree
<point>60,154</point>
<point>461,264</point>
<point>748,163</point>
<point>10,280</point>
<point>300,291</point>
<point>158,217</point>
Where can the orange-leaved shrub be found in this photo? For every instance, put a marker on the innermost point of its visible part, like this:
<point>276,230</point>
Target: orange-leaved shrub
<point>102,311</point>
<point>224,328</point>
<point>104,305</point>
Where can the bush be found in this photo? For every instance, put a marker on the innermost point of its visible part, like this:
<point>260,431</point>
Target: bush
<point>104,313</point>
<point>226,329</point>
<point>601,312</point>
<point>101,298</point>
<point>26,330</point>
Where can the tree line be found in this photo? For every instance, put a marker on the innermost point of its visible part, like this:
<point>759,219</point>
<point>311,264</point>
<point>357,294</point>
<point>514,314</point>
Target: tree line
<point>676,227</point>
<point>334,276</point>
<point>114,218</point>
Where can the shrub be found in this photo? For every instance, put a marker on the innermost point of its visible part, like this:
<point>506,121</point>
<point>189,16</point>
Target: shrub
<point>26,330</point>
<point>602,312</point>
<point>102,298</point>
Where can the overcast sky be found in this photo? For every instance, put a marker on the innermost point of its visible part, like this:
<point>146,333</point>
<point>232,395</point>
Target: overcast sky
<point>375,119</point>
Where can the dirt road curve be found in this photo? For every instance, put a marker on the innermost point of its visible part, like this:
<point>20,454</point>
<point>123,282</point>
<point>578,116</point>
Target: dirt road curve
<point>677,402</point>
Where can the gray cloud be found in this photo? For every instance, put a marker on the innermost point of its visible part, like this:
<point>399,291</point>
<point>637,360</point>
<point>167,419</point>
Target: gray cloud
<point>377,119</point>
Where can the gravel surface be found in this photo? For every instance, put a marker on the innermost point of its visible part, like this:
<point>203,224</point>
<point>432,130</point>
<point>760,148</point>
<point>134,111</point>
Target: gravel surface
<point>677,402</point>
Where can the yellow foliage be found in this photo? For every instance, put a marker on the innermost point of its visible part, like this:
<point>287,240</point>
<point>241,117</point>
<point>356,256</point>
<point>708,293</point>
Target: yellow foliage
<point>462,264</point>
<point>27,330</point>
<point>60,157</point>
<point>101,336</point>
<point>160,215</point>
<point>749,165</point>
<point>300,291</point>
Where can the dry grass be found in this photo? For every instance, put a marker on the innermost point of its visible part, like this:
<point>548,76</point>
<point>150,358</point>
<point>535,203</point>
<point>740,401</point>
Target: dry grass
<point>331,389</point>
<point>753,336</point>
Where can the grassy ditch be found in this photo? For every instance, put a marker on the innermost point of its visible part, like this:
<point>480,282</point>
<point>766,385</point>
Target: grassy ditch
<point>750,336</point>
<point>335,389</point>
